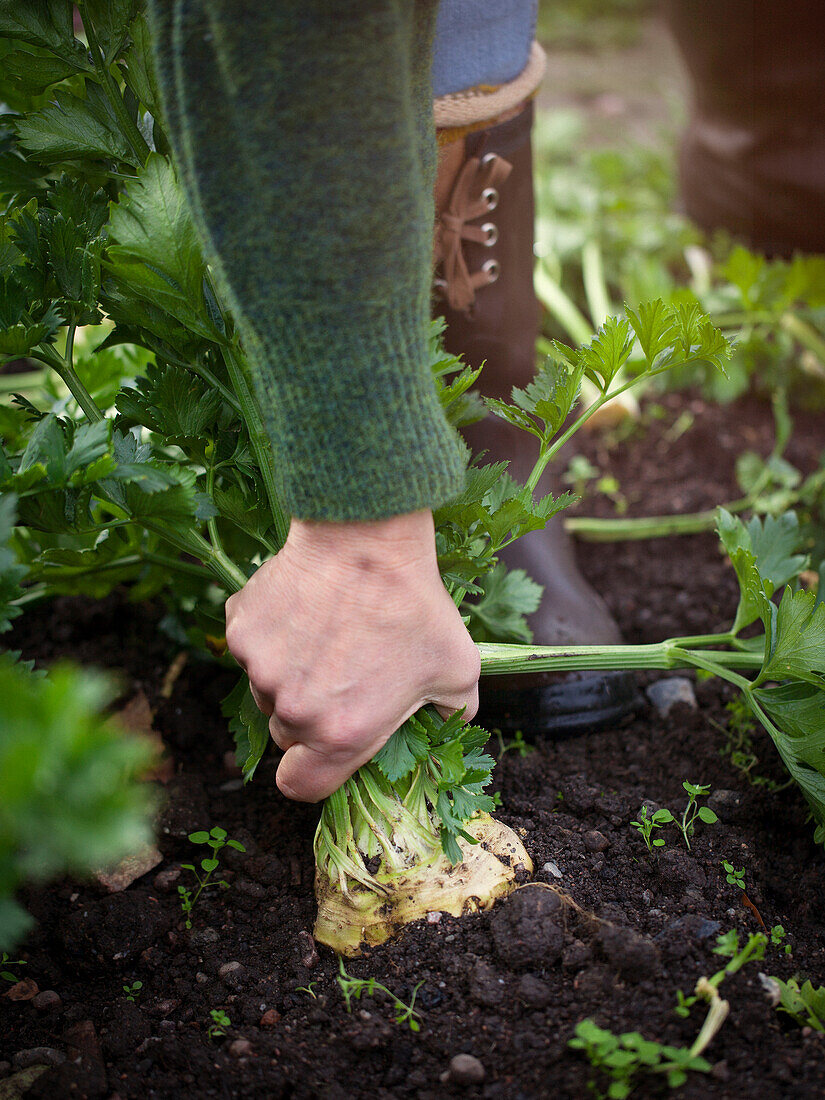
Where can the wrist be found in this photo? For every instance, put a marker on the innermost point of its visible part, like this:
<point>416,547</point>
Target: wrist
<point>396,542</point>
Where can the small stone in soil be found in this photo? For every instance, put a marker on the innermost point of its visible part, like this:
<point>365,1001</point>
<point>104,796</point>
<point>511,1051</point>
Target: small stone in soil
<point>465,1069</point>
<point>201,937</point>
<point>309,953</point>
<point>725,804</point>
<point>270,1018</point>
<point>47,1001</point>
<point>166,879</point>
<point>25,990</point>
<point>552,869</point>
<point>595,841</point>
<point>666,694</point>
<point>434,917</point>
<point>38,1056</point>
<point>240,1048</point>
<point>232,974</point>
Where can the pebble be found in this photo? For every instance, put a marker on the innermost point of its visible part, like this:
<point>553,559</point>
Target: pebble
<point>595,841</point>
<point>203,936</point>
<point>270,1018</point>
<point>465,1069</point>
<point>665,694</point>
<point>434,917</point>
<point>552,869</point>
<point>201,978</point>
<point>725,804</point>
<point>47,1001</point>
<point>232,973</point>
<point>240,1048</point>
<point>309,953</point>
<point>166,879</point>
<point>38,1056</point>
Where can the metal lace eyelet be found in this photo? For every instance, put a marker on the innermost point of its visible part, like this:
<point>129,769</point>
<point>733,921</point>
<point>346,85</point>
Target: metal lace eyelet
<point>490,197</point>
<point>492,269</point>
<point>491,231</point>
<point>489,158</point>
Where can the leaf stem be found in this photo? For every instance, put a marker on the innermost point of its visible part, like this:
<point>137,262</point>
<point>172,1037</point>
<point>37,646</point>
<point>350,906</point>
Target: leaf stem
<point>44,353</point>
<point>504,659</point>
<point>131,133</point>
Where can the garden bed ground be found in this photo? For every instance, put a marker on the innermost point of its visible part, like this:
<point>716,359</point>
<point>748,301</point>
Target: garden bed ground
<point>508,993</point>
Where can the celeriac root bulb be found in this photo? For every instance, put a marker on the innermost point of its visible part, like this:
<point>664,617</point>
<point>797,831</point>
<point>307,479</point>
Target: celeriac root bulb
<point>489,869</point>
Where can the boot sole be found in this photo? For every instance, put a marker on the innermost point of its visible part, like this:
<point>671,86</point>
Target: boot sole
<point>593,701</point>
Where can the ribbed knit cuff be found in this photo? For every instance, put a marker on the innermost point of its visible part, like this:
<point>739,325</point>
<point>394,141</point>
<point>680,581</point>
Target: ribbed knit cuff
<point>357,429</point>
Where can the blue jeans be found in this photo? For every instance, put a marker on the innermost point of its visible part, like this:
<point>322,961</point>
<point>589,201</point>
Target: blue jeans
<point>481,42</point>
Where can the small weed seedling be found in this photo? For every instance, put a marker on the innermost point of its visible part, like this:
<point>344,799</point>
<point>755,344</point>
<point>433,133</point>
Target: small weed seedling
<point>686,826</point>
<point>623,1057</point>
<point>518,744</point>
<point>308,989</point>
<point>132,991</point>
<point>9,975</point>
<point>216,839</point>
<point>778,934</point>
<point>355,988</point>
<point>220,1022</point>
<point>647,823</point>
<point>732,876</point>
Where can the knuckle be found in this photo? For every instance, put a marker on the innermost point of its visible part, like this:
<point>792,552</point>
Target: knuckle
<point>293,708</point>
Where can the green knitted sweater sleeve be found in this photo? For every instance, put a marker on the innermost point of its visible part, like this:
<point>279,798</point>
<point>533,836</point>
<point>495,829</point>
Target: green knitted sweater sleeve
<point>303,134</point>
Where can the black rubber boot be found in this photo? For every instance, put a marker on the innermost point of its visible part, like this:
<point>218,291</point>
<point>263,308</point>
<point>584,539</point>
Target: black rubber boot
<point>752,159</point>
<point>489,215</point>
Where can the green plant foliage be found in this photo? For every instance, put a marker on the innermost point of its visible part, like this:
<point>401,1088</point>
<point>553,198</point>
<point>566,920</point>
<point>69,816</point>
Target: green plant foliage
<point>804,1003</point>
<point>70,800</point>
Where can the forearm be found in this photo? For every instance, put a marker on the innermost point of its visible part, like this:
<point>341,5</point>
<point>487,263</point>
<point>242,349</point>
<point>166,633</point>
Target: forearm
<point>303,135</point>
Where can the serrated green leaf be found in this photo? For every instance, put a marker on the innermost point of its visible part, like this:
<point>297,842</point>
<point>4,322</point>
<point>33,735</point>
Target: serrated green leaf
<point>608,352</point>
<point>71,127</point>
<point>156,250</point>
<point>655,327</point>
<point>249,727</point>
<point>798,649</point>
<point>796,722</point>
<point>110,19</point>
<point>761,554</point>
<point>507,597</point>
<point>140,69</point>
<point>408,746</point>
<point>45,23</point>
<point>173,402</point>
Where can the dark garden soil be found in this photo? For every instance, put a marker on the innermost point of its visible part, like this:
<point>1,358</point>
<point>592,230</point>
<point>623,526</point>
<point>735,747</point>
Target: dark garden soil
<point>507,986</point>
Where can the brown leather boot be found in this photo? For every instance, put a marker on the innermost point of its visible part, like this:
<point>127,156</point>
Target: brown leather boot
<point>752,159</point>
<point>484,274</point>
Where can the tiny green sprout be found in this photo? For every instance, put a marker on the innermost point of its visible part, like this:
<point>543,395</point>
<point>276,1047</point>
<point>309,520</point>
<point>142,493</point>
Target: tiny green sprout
<point>647,823</point>
<point>132,990</point>
<point>220,1022</point>
<point>518,744</point>
<point>308,989</point>
<point>686,826</point>
<point>778,935</point>
<point>734,877</point>
<point>355,988</point>
<point>8,975</point>
<point>684,1004</point>
<point>216,839</point>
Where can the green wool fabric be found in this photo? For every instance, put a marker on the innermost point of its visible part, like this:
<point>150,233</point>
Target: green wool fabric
<point>303,136</point>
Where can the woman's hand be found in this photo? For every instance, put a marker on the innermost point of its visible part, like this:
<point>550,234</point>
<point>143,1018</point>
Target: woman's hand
<point>344,635</point>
